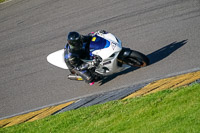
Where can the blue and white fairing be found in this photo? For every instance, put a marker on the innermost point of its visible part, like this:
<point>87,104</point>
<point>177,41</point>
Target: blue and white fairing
<point>104,45</point>
<point>98,43</point>
<point>108,47</point>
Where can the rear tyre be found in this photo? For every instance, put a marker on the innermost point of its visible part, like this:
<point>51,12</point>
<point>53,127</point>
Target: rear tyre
<point>136,59</point>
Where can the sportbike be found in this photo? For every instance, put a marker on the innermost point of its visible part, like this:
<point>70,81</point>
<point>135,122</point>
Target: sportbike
<point>109,56</point>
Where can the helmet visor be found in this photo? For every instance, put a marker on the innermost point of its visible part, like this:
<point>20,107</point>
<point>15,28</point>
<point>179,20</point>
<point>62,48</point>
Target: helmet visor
<point>75,44</point>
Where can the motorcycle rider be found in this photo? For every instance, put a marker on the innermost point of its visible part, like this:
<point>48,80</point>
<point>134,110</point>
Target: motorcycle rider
<point>77,48</point>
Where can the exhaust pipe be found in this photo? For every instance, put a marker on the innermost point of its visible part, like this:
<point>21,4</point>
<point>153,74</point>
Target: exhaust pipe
<point>74,77</point>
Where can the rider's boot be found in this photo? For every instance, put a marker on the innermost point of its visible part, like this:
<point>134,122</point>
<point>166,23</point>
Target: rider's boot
<point>83,75</point>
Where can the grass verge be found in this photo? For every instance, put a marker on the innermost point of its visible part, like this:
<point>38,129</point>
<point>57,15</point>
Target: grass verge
<point>171,111</point>
<point>2,1</point>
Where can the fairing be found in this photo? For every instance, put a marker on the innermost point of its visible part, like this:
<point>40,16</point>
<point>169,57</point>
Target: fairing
<point>98,43</point>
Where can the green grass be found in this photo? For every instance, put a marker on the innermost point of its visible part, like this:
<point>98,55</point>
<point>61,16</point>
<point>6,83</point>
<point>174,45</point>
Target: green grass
<point>2,1</point>
<point>171,111</point>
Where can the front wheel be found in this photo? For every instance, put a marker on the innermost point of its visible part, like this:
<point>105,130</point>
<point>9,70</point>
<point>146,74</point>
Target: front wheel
<point>136,59</point>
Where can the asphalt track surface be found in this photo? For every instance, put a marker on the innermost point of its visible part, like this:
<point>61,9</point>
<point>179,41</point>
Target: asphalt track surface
<point>167,31</point>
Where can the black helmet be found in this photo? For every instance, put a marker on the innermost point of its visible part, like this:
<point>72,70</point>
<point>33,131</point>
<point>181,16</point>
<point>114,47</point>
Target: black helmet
<point>74,40</point>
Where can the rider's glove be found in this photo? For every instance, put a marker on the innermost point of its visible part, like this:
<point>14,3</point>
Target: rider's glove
<point>97,32</point>
<point>96,61</point>
<point>92,34</point>
<point>82,67</point>
<point>102,31</point>
<point>88,65</point>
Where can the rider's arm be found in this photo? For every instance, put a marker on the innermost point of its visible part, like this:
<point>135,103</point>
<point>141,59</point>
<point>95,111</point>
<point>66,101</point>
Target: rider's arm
<point>74,62</point>
<point>86,38</point>
<point>71,60</point>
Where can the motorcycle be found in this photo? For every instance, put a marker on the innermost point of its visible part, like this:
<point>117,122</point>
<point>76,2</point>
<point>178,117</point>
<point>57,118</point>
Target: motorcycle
<point>108,54</point>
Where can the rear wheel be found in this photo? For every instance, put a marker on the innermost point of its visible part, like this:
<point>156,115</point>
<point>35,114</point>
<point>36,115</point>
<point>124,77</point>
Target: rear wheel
<point>136,59</point>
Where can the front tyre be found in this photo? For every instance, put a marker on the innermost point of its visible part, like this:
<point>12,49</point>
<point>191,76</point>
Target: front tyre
<point>136,59</point>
